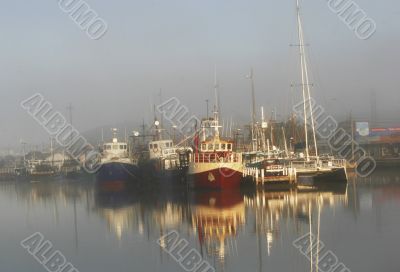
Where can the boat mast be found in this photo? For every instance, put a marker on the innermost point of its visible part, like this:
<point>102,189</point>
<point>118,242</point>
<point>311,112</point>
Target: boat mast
<point>263,129</point>
<point>24,151</point>
<point>305,82</point>
<point>253,114</point>
<point>70,108</point>
<point>285,143</point>
<point>157,125</point>
<point>207,108</point>
<point>216,106</point>
<point>51,151</point>
<point>161,115</point>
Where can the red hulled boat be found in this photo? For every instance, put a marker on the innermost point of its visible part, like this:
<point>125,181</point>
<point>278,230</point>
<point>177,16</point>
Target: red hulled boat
<point>214,165</point>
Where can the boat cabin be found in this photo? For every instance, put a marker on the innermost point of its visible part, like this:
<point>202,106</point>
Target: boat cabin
<point>216,146</point>
<point>161,149</point>
<point>115,149</point>
<point>216,150</point>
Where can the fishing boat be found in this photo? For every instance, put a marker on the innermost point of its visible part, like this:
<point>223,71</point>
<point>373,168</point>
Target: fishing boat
<point>40,168</point>
<point>163,161</point>
<point>214,164</point>
<point>117,168</point>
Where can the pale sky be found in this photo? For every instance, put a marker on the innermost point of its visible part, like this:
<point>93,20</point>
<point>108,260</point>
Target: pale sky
<point>174,45</point>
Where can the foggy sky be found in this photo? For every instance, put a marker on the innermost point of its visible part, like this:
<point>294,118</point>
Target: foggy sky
<point>173,45</point>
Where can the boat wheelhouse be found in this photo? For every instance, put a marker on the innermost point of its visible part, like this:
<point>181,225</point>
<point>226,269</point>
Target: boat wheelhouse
<point>165,152</point>
<point>115,151</point>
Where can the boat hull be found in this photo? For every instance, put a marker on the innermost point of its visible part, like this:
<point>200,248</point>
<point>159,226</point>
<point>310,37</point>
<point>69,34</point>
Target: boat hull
<point>117,176</point>
<point>153,171</point>
<point>215,176</point>
<point>333,176</point>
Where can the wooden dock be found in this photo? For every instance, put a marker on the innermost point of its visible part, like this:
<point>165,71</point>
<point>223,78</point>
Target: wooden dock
<point>275,176</point>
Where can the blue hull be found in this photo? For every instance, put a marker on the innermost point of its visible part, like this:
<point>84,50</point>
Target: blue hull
<point>115,176</point>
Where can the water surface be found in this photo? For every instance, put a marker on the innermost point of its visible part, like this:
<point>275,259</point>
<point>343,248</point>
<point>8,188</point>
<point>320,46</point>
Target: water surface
<point>233,231</point>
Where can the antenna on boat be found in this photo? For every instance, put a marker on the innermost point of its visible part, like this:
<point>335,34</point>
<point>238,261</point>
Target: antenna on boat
<point>230,128</point>
<point>114,131</point>
<point>207,109</point>
<point>161,101</point>
<point>216,106</point>
<point>157,124</point>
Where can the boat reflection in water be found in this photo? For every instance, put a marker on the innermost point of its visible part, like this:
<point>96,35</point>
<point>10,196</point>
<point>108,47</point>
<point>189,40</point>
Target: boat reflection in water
<point>232,230</point>
<point>120,209</point>
<point>217,219</point>
<point>147,213</point>
<point>223,226</point>
<point>214,221</point>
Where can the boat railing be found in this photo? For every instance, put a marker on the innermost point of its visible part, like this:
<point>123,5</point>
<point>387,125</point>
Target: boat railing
<point>321,163</point>
<point>338,162</point>
<point>303,164</point>
<point>216,158</point>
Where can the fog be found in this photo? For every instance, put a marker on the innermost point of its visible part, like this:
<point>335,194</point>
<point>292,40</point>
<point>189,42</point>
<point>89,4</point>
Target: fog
<point>174,46</point>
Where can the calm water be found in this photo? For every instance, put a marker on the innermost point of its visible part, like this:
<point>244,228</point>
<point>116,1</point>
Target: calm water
<point>235,231</point>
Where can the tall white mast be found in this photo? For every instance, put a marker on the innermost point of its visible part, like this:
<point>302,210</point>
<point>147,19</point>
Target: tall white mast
<point>302,78</point>
<point>305,83</point>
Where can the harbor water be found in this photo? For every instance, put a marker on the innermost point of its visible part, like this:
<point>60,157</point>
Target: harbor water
<point>117,230</point>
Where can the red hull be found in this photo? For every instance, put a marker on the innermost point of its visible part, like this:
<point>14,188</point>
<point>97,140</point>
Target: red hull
<point>220,178</point>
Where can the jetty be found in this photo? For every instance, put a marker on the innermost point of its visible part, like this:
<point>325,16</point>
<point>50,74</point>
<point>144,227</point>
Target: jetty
<point>272,176</point>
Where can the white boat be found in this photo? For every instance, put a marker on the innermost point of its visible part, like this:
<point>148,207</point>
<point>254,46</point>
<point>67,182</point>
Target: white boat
<point>314,168</point>
<point>117,167</point>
